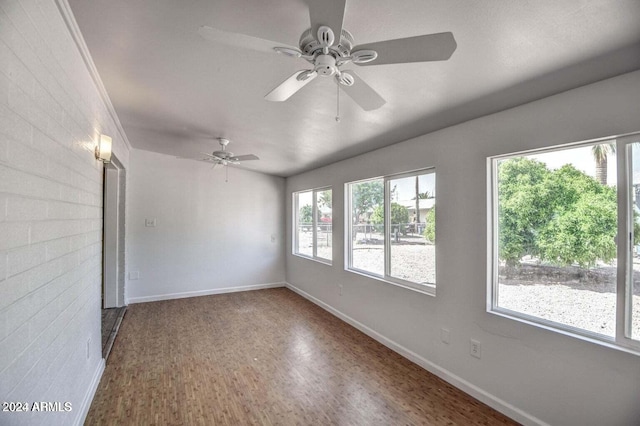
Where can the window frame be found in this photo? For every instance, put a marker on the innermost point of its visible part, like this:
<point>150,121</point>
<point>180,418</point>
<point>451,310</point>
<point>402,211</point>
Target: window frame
<point>428,288</point>
<point>314,213</point>
<point>622,338</point>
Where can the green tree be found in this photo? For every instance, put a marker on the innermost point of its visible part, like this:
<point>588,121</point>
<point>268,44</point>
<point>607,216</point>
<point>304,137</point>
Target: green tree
<point>562,216</point>
<point>430,225</point>
<point>325,198</point>
<point>306,214</point>
<point>522,210</point>
<point>583,233</point>
<point>399,216</point>
<point>365,197</point>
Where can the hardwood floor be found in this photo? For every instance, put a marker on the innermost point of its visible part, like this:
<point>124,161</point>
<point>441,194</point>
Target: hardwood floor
<point>265,357</point>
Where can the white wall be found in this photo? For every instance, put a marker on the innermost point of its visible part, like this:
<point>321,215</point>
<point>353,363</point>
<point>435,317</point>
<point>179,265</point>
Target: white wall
<point>529,373</point>
<point>51,112</point>
<point>210,236</point>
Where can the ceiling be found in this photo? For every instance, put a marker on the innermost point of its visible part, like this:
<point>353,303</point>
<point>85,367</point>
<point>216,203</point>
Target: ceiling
<point>175,91</point>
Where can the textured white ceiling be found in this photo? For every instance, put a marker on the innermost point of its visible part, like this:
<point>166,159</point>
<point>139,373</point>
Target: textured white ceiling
<point>175,91</point>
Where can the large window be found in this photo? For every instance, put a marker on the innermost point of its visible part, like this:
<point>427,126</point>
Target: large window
<point>392,229</point>
<point>557,219</point>
<point>313,224</point>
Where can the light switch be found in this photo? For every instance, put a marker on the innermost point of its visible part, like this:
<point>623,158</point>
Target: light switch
<point>150,223</point>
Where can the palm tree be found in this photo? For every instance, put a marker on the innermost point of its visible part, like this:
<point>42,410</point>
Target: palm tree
<point>417,202</point>
<point>600,153</point>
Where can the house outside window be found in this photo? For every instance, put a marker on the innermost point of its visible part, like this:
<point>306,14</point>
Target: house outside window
<point>392,229</point>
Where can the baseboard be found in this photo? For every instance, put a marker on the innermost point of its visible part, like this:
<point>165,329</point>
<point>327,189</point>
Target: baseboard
<point>91,391</point>
<point>473,390</point>
<point>209,292</point>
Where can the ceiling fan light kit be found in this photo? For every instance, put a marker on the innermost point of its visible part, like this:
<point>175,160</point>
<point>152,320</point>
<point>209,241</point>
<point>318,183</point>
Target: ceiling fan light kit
<point>327,53</point>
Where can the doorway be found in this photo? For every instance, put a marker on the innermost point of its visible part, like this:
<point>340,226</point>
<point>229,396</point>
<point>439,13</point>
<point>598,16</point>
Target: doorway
<point>113,278</point>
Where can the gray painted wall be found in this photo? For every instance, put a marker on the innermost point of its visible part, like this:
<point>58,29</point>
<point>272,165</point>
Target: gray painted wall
<point>530,373</point>
<point>210,235</point>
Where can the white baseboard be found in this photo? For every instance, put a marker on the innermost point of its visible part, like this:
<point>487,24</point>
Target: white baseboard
<point>209,292</point>
<point>91,391</point>
<point>473,390</point>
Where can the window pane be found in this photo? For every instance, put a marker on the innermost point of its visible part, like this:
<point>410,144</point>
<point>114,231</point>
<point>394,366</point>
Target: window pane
<point>324,230</point>
<point>305,223</point>
<point>413,201</point>
<point>634,289</point>
<point>367,226</point>
<point>557,225</point>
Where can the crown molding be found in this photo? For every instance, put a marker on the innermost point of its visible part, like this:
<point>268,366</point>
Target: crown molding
<point>74,30</point>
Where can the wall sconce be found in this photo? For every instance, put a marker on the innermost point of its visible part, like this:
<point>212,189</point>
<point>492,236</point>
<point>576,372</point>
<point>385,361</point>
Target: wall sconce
<point>103,149</point>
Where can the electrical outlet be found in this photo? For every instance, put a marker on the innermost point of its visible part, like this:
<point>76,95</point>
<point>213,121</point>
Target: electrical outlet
<point>475,349</point>
<point>89,348</point>
<point>444,335</point>
<point>340,289</point>
<point>134,275</point>
<point>150,223</point>
<point>273,238</point>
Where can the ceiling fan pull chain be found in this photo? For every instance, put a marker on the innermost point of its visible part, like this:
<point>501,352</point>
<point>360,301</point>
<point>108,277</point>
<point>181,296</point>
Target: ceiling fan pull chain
<point>338,104</point>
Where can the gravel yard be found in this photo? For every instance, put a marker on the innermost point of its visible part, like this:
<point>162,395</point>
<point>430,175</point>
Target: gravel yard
<point>580,298</point>
<point>576,297</point>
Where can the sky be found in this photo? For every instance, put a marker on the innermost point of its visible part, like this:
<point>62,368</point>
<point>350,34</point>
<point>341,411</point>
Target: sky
<point>406,187</point>
<point>581,158</point>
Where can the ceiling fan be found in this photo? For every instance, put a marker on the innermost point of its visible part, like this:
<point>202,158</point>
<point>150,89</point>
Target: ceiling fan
<point>327,53</point>
<point>223,157</point>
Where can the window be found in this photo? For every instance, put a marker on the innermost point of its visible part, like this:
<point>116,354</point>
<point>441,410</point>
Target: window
<point>313,227</point>
<point>392,229</point>
<point>556,218</point>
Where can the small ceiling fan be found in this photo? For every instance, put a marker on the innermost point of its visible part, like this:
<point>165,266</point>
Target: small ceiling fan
<point>327,53</point>
<point>223,157</point>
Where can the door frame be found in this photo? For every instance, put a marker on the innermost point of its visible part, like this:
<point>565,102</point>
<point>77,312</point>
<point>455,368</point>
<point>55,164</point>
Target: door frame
<point>113,279</point>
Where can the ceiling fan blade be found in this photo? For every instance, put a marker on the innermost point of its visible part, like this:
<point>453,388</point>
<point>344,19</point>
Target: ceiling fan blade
<point>363,94</point>
<point>329,13</point>
<point>290,86</point>
<point>247,157</point>
<point>431,47</point>
<point>240,40</point>
<point>212,157</point>
<point>206,160</point>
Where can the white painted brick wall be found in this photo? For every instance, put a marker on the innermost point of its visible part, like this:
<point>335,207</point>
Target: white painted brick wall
<point>51,113</point>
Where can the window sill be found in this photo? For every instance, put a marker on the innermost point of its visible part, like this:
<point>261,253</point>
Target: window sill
<point>428,289</point>
<point>602,340</point>
<point>315,259</point>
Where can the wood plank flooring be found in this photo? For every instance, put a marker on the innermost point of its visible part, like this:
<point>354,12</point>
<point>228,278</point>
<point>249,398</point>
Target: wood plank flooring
<point>265,357</point>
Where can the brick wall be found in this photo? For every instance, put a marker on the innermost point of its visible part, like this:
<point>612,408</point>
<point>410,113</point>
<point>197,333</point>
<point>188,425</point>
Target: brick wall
<point>51,112</point>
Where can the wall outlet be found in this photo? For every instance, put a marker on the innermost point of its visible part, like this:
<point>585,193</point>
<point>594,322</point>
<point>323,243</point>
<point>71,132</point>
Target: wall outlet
<point>475,349</point>
<point>340,289</point>
<point>444,335</point>
<point>151,223</point>
<point>134,275</point>
<point>89,348</point>
<point>273,238</point>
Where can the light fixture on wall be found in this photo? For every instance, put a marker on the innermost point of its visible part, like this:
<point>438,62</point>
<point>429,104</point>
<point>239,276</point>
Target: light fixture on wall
<point>103,149</point>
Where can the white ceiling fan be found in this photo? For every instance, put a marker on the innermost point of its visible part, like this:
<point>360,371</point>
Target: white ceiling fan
<point>327,53</point>
<point>223,157</point>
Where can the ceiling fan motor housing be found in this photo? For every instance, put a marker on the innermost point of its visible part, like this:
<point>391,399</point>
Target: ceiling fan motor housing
<point>325,65</point>
<point>309,45</point>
